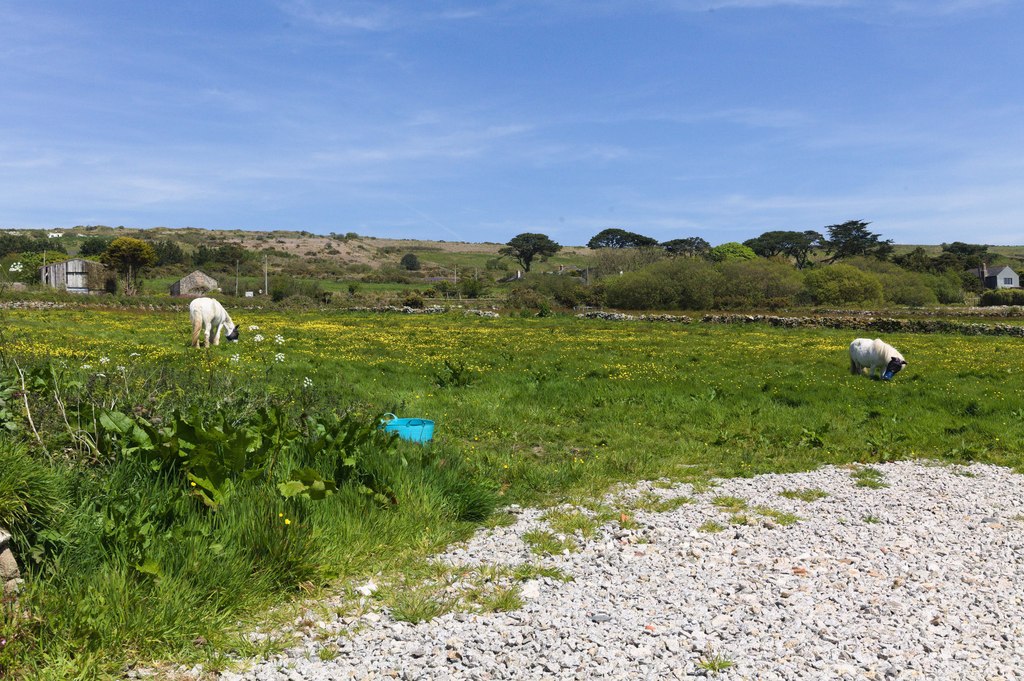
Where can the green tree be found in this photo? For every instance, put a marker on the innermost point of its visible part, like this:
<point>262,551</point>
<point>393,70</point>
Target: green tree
<point>796,245</point>
<point>527,246</point>
<point>169,253</point>
<point>731,250</point>
<point>409,262</point>
<point>94,246</point>
<point>691,247</point>
<point>971,255</point>
<point>614,237</point>
<point>852,238</point>
<point>128,257</point>
<point>916,260</point>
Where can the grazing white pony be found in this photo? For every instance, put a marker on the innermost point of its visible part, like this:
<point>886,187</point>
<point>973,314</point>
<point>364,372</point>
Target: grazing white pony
<point>209,317</point>
<point>875,355</point>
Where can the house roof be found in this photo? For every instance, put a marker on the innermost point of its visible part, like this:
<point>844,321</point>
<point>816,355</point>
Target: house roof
<point>1001,270</point>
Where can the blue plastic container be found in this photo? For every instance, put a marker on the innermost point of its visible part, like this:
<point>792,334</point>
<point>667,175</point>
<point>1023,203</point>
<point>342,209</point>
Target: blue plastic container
<point>413,430</point>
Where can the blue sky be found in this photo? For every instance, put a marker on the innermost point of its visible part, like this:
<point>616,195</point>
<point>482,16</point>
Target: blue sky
<point>476,121</point>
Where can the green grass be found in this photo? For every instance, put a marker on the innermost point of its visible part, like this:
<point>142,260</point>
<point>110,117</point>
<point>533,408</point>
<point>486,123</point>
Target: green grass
<point>807,495</point>
<point>871,478</point>
<point>711,527</point>
<point>551,413</point>
<point>543,542</point>
<point>729,503</point>
<point>780,517</point>
<point>565,521</point>
<point>715,663</point>
<point>527,571</point>
<point>654,503</point>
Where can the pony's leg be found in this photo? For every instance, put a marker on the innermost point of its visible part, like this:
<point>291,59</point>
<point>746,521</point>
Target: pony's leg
<point>197,328</point>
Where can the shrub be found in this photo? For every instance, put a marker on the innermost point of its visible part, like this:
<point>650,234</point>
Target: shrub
<point>567,291</point>
<point>643,290</point>
<point>1004,296</point>
<point>285,287</point>
<point>409,262</point>
<point>841,285</point>
<point>947,286</point>
<point>731,251</point>
<point>679,283</point>
<point>899,286</point>
<point>413,300</point>
<point>472,288</point>
<point>525,298</point>
<point>757,283</point>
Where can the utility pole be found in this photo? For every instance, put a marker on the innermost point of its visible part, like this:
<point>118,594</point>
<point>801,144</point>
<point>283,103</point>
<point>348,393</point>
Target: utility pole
<point>236,278</point>
<point>266,287</point>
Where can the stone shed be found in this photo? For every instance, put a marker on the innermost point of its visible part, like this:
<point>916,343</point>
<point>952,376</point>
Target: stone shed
<point>195,284</point>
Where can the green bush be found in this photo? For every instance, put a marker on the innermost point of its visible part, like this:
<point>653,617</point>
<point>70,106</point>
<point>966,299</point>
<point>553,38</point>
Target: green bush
<point>567,291</point>
<point>1003,296</point>
<point>842,285</point>
<point>757,283</point>
<point>948,287</point>
<point>679,283</point>
<point>522,297</point>
<point>409,262</point>
<point>732,250</point>
<point>286,287</point>
<point>473,288</point>
<point>899,286</point>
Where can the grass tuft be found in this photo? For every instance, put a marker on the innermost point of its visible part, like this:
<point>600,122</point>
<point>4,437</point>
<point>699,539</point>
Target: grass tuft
<point>807,495</point>
<point>544,542</point>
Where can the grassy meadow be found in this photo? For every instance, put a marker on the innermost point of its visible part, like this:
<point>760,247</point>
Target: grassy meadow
<point>528,410</point>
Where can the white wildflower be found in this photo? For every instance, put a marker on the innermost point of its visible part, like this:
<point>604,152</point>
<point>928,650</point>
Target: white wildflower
<point>86,367</point>
<point>307,382</point>
<point>104,360</point>
<point>235,357</point>
<point>15,267</point>
<point>279,339</point>
<point>134,354</point>
<point>121,368</point>
<point>253,327</point>
<point>258,338</point>
<point>279,357</point>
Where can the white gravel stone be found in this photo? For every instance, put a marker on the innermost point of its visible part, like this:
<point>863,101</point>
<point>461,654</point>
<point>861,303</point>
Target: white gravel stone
<point>923,579</point>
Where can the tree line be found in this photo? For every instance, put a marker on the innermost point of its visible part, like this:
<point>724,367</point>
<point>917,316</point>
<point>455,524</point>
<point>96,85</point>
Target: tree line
<point>844,264</point>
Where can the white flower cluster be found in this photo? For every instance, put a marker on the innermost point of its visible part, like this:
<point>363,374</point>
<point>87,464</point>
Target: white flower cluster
<point>236,358</point>
<point>16,267</point>
<point>279,357</point>
<point>279,339</point>
<point>307,382</point>
<point>258,338</point>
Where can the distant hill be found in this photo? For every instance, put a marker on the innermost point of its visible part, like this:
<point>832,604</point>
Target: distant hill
<point>308,254</point>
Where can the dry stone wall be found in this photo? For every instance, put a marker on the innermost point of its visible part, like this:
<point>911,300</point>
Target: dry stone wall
<point>854,322</point>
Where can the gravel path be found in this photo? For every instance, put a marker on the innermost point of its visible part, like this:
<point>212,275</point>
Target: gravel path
<point>923,579</point>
